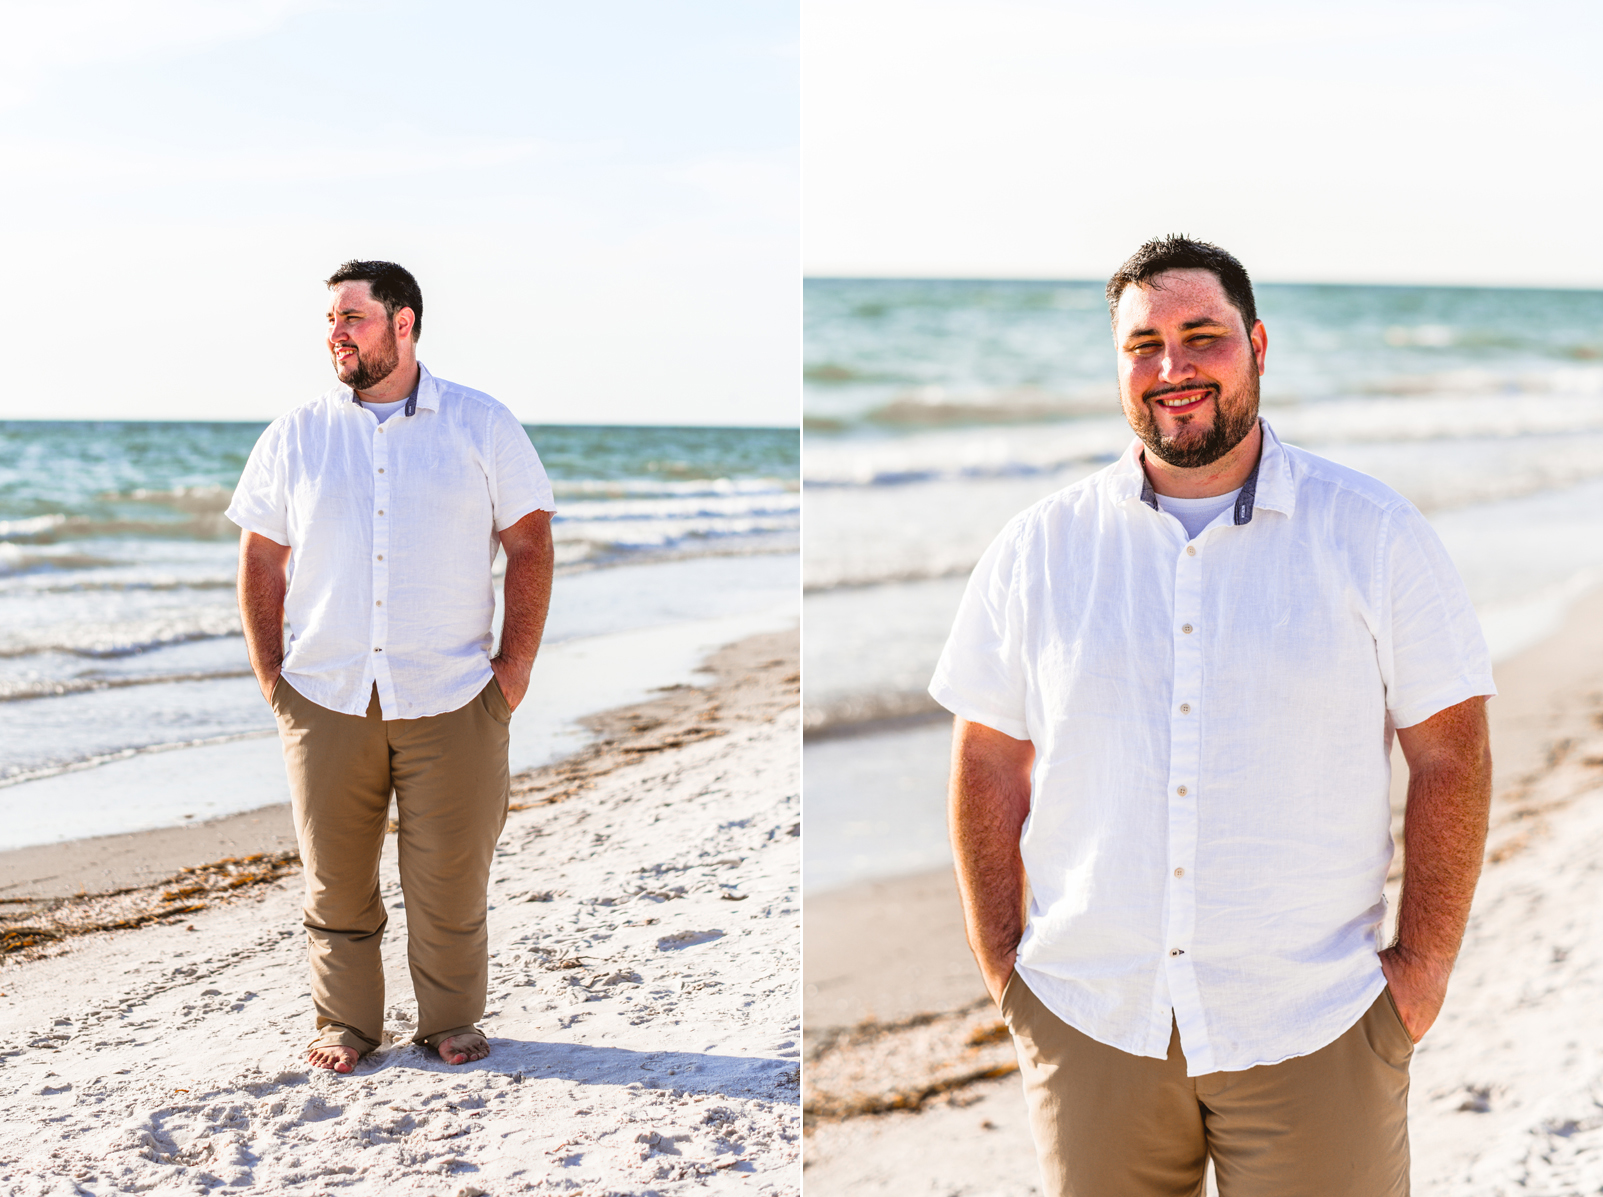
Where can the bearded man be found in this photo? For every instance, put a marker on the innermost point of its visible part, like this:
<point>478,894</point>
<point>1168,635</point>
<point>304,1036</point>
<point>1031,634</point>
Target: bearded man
<point>1176,684</point>
<point>370,520</point>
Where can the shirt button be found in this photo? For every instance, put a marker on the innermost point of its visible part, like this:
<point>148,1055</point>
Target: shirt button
<point>1185,707</point>
<point>1181,790</point>
<point>1191,550</point>
<point>1185,627</point>
<point>1177,951</point>
<point>380,603</point>
<point>381,512</point>
<point>381,558</point>
<point>381,469</point>
<point>381,428</point>
<point>1179,872</point>
<point>378,650</point>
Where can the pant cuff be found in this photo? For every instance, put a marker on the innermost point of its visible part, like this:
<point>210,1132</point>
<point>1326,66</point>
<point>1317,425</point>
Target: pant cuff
<point>338,1035</point>
<point>433,1041</point>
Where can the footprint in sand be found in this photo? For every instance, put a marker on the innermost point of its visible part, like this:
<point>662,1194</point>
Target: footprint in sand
<point>686,939</point>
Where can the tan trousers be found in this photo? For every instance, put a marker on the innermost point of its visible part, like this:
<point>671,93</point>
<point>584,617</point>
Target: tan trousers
<point>449,776</point>
<point>1109,1124</point>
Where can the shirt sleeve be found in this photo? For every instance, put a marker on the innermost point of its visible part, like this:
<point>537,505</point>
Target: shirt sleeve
<point>518,482</point>
<point>1432,652</point>
<point>261,503</point>
<point>980,676</point>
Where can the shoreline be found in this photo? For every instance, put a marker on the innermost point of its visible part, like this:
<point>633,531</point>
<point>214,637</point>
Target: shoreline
<point>616,636</point>
<point>894,1007</point>
<point>47,890</point>
<point>643,1009</point>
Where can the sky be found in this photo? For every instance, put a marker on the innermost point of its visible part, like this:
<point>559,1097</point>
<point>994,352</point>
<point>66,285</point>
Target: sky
<point>1385,142</point>
<point>600,202</point>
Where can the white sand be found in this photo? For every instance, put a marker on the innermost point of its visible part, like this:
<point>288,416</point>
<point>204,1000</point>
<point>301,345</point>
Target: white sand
<point>168,1061</point>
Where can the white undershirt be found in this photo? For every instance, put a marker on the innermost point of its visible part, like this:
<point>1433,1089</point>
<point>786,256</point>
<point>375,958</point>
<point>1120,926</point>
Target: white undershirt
<point>383,410</point>
<point>1196,514</point>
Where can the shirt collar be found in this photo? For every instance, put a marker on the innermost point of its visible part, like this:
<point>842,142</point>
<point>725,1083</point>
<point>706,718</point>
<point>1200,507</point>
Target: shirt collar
<point>425,394</point>
<point>1269,485</point>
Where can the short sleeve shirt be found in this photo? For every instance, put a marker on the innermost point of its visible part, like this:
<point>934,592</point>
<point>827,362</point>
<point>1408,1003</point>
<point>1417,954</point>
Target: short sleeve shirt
<point>1209,827</point>
<point>392,530</point>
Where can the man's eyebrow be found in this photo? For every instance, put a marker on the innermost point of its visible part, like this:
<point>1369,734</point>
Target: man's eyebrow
<point>1186,327</point>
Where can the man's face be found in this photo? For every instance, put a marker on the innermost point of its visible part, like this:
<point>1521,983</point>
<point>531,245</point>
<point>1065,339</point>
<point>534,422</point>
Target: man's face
<point>361,340</point>
<point>1188,367</point>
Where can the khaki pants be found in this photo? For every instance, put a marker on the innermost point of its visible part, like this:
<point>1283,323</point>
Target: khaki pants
<point>1109,1124</point>
<point>449,776</point>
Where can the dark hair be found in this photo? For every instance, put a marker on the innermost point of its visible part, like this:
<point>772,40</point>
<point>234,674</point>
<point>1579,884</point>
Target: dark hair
<point>1179,252</point>
<point>392,285</point>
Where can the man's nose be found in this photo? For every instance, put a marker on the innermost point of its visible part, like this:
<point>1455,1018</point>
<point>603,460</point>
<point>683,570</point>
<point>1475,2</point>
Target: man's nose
<point>1176,365</point>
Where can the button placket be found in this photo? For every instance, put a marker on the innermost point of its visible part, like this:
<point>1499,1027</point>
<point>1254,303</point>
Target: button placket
<point>381,566</point>
<point>1185,750</point>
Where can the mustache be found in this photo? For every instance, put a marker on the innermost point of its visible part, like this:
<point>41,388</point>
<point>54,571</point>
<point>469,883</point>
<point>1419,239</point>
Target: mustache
<point>1160,392</point>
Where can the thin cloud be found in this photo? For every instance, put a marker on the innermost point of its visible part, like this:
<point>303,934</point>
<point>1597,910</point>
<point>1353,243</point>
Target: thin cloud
<point>65,162</point>
<point>40,38</point>
<point>767,182</point>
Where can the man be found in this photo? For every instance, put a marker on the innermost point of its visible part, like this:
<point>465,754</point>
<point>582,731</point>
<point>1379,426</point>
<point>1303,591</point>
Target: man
<point>370,517</point>
<point>1176,685</point>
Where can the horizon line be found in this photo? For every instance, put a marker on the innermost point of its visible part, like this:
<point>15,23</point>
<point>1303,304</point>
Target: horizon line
<point>1257,281</point>
<point>4,419</point>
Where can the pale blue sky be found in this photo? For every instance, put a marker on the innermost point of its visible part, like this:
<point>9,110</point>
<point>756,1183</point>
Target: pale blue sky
<point>1369,141</point>
<point>599,200</point>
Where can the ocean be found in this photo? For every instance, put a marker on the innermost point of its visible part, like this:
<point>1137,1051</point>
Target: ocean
<point>935,410</point>
<point>119,634</point>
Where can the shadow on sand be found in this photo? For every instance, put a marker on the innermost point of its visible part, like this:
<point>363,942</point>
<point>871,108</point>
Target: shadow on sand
<point>699,1072</point>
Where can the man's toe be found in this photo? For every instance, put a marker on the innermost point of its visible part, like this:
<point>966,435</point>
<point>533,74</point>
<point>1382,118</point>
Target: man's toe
<point>459,1049</point>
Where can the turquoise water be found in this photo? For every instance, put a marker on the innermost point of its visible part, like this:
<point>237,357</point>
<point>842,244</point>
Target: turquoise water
<point>887,355</point>
<point>118,625</point>
<point>154,471</point>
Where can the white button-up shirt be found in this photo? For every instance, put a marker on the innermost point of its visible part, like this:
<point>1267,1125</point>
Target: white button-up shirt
<point>1209,827</point>
<point>392,530</point>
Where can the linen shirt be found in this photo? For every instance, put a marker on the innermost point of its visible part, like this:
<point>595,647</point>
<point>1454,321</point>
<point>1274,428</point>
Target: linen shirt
<point>392,530</point>
<point>1209,825</point>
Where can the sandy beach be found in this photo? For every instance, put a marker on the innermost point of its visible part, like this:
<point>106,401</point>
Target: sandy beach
<point>643,1019</point>
<point>910,1086</point>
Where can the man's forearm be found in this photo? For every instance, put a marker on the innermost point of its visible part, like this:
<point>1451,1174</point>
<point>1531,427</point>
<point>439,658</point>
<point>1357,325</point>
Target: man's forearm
<point>527,592</point>
<point>1444,840</point>
<point>526,595</point>
<point>988,801</point>
<point>261,586</point>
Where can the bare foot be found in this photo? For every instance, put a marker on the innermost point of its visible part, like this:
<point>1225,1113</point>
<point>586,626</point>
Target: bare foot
<point>459,1049</point>
<point>340,1059</point>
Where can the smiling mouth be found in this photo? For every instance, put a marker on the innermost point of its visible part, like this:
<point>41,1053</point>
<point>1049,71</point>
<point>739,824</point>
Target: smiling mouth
<point>1182,401</point>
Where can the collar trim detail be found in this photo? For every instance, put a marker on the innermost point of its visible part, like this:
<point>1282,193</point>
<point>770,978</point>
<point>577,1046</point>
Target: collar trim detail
<point>1246,501</point>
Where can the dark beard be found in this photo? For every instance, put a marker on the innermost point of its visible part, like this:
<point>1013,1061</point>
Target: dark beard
<point>369,375</point>
<point>1229,430</point>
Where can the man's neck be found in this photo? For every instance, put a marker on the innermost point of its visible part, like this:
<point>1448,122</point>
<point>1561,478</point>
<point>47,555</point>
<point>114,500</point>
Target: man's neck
<point>1218,478</point>
<point>398,385</point>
